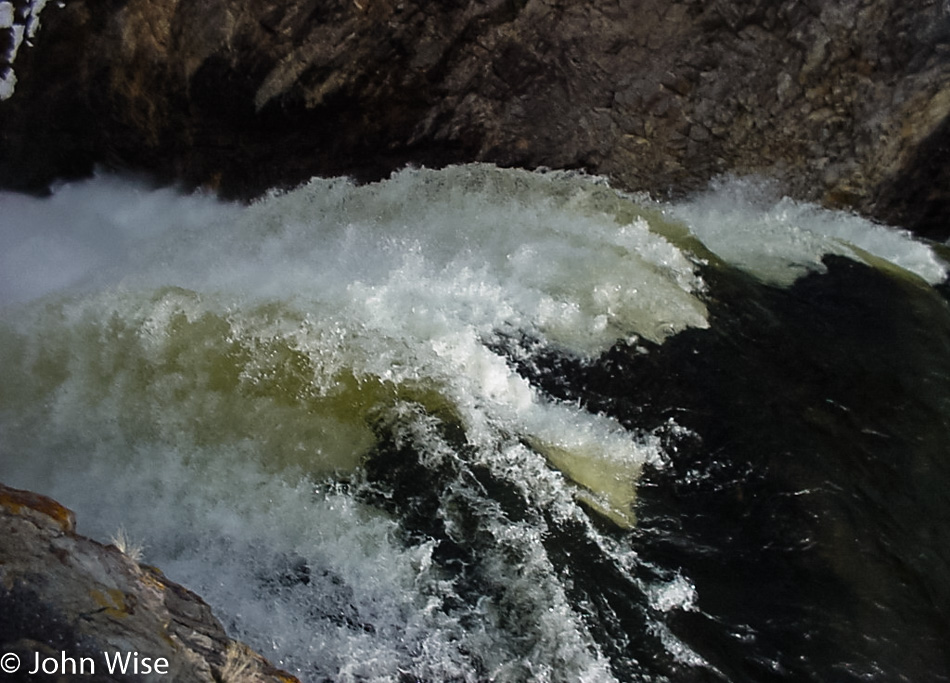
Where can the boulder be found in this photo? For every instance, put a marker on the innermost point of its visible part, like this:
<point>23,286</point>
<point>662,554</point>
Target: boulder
<point>845,102</point>
<point>74,605</point>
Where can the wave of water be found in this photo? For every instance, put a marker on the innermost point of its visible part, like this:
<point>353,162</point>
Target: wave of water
<point>354,418</point>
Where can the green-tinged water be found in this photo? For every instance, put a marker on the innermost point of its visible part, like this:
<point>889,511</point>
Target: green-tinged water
<point>483,424</point>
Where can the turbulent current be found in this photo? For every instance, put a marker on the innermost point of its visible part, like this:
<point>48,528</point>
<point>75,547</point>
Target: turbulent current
<point>491,425</point>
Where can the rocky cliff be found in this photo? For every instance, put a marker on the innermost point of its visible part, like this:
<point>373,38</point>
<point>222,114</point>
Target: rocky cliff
<point>69,606</point>
<point>846,102</point>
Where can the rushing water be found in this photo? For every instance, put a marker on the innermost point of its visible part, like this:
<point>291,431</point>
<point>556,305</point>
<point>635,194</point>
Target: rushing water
<point>481,424</point>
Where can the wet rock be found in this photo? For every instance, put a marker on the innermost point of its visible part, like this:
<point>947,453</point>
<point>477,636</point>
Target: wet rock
<point>74,605</point>
<point>657,95</point>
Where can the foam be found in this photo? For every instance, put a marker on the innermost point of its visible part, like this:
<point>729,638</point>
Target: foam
<point>413,275</point>
<point>677,593</point>
<point>778,239</point>
<point>233,366</point>
<point>90,230</point>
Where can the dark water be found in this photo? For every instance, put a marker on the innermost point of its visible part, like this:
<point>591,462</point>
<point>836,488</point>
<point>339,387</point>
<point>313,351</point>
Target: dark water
<point>353,460</point>
<point>808,505</point>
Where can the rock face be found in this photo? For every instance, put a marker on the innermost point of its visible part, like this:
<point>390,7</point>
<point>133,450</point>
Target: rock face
<point>72,603</point>
<point>846,102</point>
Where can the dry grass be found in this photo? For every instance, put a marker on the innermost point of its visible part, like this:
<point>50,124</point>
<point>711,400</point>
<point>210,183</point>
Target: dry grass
<point>238,664</point>
<point>131,549</point>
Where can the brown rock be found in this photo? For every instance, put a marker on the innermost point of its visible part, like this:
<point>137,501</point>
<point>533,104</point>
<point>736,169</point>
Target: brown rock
<point>242,96</point>
<point>66,597</point>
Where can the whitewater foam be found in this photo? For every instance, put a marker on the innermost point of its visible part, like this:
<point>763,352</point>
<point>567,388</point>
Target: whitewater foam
<point>779,239</point>
<point>235,365</point>
<point>241,368</point>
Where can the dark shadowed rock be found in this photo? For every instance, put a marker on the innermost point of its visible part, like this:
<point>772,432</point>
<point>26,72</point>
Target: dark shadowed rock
<point>846,102</point>
<point>65,595</point>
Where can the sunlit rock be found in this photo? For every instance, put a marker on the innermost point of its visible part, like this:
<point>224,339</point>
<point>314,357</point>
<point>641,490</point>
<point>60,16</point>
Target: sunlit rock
<point>72,606</point>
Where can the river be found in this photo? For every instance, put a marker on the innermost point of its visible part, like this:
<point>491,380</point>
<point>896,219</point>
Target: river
<point>480,424</point>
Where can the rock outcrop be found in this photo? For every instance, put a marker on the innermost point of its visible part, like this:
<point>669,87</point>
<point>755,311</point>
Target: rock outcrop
<point>846,102</point>
<point>71,604</point>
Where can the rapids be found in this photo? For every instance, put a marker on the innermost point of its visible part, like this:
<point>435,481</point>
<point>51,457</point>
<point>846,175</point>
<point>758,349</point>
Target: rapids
<point>483,424</point>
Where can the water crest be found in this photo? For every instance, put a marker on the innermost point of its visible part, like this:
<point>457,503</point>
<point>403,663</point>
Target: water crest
<point>406,429</point>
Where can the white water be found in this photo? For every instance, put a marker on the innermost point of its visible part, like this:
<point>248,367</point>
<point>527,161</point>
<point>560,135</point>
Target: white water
<point>778,239</point>
<point>210,376</point>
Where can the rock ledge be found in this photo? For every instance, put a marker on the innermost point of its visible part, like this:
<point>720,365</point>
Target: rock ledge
<point>73,602</point>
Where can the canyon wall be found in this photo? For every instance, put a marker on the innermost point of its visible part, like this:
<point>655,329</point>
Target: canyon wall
<point>844,102</point>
